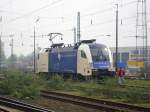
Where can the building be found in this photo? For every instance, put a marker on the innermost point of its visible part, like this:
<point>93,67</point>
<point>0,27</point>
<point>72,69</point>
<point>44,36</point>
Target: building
<point>129,57</point>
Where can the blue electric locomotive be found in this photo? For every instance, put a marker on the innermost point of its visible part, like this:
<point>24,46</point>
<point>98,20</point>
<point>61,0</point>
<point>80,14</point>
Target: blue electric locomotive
<point>86,59</point>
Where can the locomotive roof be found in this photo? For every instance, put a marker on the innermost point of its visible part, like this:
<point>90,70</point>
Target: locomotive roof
<point>57,45</point>
<point>88,41</point>
<point>96,45</point>
<point>73,48</point>
<point>70,48</point>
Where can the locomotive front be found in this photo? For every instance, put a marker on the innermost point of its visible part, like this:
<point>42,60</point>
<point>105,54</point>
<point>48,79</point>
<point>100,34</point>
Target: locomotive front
<point>101,60</point>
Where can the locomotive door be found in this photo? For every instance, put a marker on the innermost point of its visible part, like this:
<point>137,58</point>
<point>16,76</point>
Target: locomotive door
<point>42,63</point>
<point>82,64</point>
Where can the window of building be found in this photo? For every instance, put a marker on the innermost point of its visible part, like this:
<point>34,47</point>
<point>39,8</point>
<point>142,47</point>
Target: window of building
<point>125,57</point>
<point>135,52</point>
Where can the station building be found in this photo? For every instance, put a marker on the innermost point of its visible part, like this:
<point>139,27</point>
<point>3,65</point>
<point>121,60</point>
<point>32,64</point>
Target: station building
<point>129,57</point>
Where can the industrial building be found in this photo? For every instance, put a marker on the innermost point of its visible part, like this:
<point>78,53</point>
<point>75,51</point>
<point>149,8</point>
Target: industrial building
<point>131,57</point>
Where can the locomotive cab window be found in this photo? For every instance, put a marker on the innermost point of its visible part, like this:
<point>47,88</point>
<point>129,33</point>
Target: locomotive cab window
<point>99,53</point>
<point>83,55</point>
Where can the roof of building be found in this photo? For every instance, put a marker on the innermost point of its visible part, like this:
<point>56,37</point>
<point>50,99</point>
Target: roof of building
<point>127,49</point>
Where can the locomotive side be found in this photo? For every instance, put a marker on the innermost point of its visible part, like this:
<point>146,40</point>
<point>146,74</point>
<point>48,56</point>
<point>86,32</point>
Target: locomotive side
<point>84,59</point>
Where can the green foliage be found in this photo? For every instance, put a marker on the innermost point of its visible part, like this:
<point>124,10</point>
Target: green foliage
<point>2,51</point>
<point>145,70</point>
<point>108,88</point>
<point>21,85</point>
<point>56,82</point>
<point>139,83</point>
<point>111,89</point>
<point>133,95</point>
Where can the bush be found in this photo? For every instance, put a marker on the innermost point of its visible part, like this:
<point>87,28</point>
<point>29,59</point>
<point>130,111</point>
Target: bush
<point>21,85</point>
<point>107,88</point>
<point>145,71</point>
<point>56,82</point>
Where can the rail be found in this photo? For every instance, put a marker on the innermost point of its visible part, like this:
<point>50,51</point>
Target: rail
<point>3,110</point>
<point>103,105</point>
<point>21,105</point>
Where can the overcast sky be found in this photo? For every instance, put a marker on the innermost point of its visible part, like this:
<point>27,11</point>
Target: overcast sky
<point>97,19</point>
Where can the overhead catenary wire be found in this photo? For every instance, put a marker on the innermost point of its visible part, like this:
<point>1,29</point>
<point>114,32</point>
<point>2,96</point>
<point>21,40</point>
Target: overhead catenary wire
<point>34,11</point>
<point>28,14</point>
<point>57,1</point>
<point>81,18</point>
<point>102,11</point>
<point>107,22</point>
<point>108,9</point>
<point>95,24</point>
<point>87,26</point>
<point>10,12</point>
<point>94,13</point>
<point>63,17</point>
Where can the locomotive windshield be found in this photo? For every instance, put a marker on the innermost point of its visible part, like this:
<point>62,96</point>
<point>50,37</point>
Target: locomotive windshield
<point>99,52</point>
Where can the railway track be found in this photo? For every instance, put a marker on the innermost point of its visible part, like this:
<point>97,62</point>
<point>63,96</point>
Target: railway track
<point>20,105</point>
<point>3,110</point>
<point>103,105</point>
<point>135,86</point>
<point>133,77</point>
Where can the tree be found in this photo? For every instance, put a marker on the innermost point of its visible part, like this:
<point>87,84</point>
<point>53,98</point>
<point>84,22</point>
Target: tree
<point>21,57</point>
<point>2,54</point>
<point>12,61</point>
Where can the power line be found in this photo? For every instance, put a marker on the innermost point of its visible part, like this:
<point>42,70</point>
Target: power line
<point>108,9</point>
<point>127,3</point>
<point>3,5</point>
<point>10,12</point>
<point>106,22</point>
<point>63,17</point>
<point>98,12</point>
<point>100,23</point>
<point>100,35</point>
<point>34,11</point>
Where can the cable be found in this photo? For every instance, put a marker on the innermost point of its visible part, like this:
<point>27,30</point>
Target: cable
<point>109,20</point>
<point>7,2</point>
<point>106,22</point>
<point>6,11</point>
<point>36,10</point>
<point>98,12</point>
<point>99,35</point>
<point>108,9</point>
<point>128,3</point>
<point>52,18</point>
